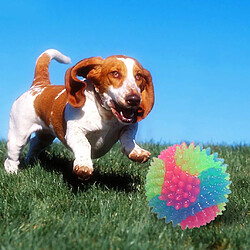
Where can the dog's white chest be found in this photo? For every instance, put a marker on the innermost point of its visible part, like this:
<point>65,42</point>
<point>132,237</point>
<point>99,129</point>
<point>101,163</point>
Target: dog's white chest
<point>102,140</point>
<point>88,122</point>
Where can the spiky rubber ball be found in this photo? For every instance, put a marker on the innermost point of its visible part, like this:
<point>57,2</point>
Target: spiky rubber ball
<point>187,185</point>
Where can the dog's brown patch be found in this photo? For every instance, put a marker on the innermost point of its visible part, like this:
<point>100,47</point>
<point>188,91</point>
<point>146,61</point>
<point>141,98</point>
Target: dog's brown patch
<point>42,70</point>
<point>50,105</point>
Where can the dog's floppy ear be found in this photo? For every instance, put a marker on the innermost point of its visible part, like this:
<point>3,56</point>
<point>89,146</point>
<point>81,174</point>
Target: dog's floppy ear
<point>147,102</point>
<point>75,87</point>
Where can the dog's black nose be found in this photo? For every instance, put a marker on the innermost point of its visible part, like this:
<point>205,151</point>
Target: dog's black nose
<point>133,100</point>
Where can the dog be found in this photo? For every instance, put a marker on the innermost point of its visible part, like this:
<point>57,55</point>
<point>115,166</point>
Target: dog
<point>101,102</point>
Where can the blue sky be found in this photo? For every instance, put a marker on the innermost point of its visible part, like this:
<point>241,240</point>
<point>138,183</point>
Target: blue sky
<point>198,53</point>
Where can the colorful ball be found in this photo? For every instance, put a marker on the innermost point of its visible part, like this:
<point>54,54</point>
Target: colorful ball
<point>187,185</point>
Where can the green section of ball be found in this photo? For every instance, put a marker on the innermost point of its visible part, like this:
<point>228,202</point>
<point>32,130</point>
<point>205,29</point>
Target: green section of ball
<point>194,160</point>
<point>155,178</point>
<point>221,207</point>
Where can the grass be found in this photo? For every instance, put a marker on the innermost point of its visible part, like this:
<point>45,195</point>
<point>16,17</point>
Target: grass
<point>45,207</point>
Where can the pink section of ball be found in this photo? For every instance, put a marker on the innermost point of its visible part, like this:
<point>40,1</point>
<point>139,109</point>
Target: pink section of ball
<point>186,203</point>
<point>181,184</point>
<point>189,187</point>
<point>200,218</point>
<point>180,189</point>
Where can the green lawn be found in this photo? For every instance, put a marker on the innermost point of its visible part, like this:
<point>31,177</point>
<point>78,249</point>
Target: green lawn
<point>45,207</point>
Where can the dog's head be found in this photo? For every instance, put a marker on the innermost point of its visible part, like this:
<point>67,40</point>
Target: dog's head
<point>123,85</point>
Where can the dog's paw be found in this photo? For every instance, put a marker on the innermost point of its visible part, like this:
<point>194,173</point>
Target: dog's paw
<point>11,166</point>
<point>83,173</point>
<point>139,155</point>
<point>83,168</point>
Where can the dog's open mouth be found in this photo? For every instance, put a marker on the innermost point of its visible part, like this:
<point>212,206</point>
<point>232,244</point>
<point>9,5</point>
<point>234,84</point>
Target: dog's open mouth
<point>126,115</point>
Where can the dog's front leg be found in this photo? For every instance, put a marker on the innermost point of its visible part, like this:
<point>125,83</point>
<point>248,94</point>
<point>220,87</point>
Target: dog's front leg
<point>129,146</point>
<point>79,144</point>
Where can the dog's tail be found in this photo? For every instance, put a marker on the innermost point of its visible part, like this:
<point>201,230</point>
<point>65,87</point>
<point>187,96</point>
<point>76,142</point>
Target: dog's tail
<point>42,65</point>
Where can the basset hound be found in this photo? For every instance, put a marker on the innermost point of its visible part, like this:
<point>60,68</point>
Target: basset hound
<point>101,102</point>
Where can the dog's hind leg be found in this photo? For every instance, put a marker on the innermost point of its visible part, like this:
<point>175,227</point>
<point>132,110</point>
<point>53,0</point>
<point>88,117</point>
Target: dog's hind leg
<point>23,122</point>
<point>38,143</point>
<point>17,139</point>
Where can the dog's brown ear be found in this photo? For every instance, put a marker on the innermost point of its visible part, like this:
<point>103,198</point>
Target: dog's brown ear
<point>147,97</point>
<point>74,85</point>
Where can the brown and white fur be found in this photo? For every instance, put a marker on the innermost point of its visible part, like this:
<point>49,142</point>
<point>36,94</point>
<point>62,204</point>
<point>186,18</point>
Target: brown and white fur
<point>101,103</point>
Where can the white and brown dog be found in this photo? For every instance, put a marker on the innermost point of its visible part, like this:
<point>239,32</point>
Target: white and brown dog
<point>101,103</point>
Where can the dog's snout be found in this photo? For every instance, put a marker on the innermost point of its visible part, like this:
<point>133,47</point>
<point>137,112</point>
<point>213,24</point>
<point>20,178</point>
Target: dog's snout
<point>133,100</point>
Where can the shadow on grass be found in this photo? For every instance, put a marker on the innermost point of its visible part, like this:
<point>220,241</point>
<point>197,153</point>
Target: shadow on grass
<point>124,182</point>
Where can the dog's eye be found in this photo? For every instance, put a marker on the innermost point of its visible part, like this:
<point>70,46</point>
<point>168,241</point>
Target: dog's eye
<point>115,74</point>
<point>138,77</point>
